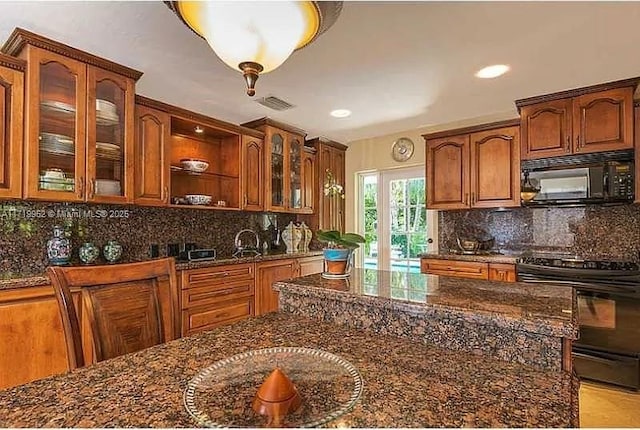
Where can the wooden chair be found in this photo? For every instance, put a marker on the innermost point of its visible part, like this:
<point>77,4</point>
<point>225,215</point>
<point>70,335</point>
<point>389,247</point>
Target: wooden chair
<point>127,307</point>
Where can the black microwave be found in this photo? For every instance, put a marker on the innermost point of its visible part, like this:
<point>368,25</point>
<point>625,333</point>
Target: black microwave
<point>592,178</point>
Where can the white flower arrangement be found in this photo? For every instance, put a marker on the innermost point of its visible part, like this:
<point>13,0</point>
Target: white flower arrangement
<point>331,186</point>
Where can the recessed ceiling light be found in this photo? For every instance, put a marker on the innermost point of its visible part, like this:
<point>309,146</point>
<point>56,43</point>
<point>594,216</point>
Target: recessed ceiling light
<point>492,71</point>
<point>340,113</point>
<point>199,129</point>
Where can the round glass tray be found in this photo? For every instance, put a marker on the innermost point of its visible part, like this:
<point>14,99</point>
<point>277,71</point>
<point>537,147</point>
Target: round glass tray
<point>222,394</point>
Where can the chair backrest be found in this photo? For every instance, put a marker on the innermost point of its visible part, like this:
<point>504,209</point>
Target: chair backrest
<point>127,307</point>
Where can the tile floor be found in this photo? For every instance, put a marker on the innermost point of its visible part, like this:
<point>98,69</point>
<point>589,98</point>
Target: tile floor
<point>602,406</point>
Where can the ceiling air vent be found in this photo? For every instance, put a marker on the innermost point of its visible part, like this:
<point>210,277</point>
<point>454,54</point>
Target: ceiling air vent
<point>274,103</point>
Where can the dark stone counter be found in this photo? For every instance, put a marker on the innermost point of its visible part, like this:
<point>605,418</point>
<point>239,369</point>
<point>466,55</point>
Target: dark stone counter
<point>511,321</point>
<point>22,280</point>
<point>492,258</point>
<point>406,384</point>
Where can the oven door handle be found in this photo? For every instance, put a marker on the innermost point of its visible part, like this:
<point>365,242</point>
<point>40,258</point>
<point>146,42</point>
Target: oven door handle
<point>582,286</point>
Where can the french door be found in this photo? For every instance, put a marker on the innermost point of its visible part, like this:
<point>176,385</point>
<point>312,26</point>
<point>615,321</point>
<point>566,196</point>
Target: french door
<point>394,220</point>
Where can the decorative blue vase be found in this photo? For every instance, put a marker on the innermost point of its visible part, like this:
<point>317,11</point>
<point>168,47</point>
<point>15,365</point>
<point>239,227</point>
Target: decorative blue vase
<point>88,253</point>
<point>112,251</point>
<point>58,248</point>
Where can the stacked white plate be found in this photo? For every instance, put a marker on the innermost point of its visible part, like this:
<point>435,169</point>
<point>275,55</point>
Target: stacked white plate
<point>108,150</point>
<point>56,144</point>
<point>58,108</point>
<point>106,113</point>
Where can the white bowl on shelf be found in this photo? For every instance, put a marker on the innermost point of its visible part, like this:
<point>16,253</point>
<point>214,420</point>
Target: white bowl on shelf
<point>198,199</point>
<point>194,165</point>
<point>106,107</point>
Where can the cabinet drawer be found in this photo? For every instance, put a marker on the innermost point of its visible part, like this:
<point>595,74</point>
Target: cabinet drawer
<point>210,275</point>
<point>461,269</point>
<point>198,319</point>
<point>216,292</point>
<point>502,272</point>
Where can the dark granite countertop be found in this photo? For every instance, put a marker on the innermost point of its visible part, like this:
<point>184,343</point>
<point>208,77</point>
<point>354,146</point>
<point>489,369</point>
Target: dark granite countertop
<point>22,280</point>
<point>504,258</point>
<point>405,384</point>
<point>548,309</point>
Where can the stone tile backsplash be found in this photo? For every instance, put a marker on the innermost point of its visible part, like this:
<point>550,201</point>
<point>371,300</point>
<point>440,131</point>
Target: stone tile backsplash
<point>25,228</point>
<point>597,232</point>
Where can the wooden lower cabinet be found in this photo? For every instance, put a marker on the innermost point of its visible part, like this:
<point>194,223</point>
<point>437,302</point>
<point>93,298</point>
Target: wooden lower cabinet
<point>31,336</point>
<point>469,269</point>
<point>215,296</point>
<point>267,273</point>
<point>310,265</point>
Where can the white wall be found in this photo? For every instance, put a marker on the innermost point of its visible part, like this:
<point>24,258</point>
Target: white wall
<point>375,154</point>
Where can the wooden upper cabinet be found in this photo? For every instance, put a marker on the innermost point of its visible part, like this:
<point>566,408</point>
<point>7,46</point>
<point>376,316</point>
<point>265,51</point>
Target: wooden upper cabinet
<point>495,168</point>
<point>448,172</point>
<point>151,156</point>
<point>110,136</point>
<point>546,129</point>
<point>283,176</point>
<point>308,180</point>
<point>79,122</point>
<point>603,121</point>
<point>253,176</point>
<point>637,151</point>
<point>55,125</point>
<point>11,126</point>
<point>584,120</point>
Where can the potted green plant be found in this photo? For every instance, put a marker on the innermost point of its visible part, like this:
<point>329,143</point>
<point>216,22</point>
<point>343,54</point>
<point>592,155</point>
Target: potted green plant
<point>338,254</point>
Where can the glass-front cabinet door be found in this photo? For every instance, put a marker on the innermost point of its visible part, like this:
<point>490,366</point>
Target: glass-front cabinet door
<point>109,136</point>
<point>295,173</point>
<point>276,197</point>
<point>55,147</point>
<point>11,127</point>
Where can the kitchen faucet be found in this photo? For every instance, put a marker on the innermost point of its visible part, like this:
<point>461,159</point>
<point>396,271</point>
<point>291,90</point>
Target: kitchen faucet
<point>241,249</point>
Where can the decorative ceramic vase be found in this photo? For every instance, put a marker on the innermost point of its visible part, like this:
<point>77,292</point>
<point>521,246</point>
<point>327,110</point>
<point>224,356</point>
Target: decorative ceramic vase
<point>88,253</point>
<point>288,237</point>
<point>112,251</point>
<point>297,238</point>
<point>337,261</point>
<point>58,247</point>
<point>307,234</point>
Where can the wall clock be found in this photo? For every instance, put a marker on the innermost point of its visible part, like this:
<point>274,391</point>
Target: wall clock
<point>402,149</point>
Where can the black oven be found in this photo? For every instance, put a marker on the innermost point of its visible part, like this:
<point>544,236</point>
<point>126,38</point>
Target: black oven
<point>608,296</point>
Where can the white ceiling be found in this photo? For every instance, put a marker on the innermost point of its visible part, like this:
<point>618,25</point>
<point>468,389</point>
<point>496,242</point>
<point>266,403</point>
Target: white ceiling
<point>396,65</point>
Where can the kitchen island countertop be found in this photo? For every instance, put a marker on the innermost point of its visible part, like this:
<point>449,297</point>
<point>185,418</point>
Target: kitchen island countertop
<point>406,384</point>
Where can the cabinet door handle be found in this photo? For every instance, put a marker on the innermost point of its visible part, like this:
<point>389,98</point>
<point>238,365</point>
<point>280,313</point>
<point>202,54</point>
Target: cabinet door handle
<point>80,187</point>
<point>567,146</point>
<point>165,194</point>
<point>466,198</point>
<point>92,188</point>
<point>246,200</point>
<point>473,198</point>
<point>578,143</point>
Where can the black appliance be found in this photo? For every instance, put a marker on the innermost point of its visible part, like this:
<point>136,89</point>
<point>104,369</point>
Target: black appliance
<point>608,295</point>
<point>605,177</point>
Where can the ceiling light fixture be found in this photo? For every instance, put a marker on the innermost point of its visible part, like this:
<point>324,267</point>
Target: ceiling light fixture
<point>198,129</point>
<point>257,36</point>
<point>340,113</point>
<point>492,71</point>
